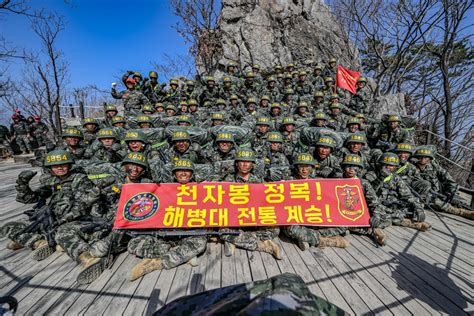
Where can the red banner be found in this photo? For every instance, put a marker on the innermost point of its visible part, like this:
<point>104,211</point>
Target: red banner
<point>325,202</point>
<point>347,79</point>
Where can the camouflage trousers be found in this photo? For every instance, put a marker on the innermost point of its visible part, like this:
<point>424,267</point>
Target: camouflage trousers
<point>42,139</point>
<point>23,142</point>
<point>75,242</point>
<point>7,145</point>
<point>172,251</point>
<point>11,230</point>
<point>311,234</point>
<point>393,215</point>
<point>248,238</point>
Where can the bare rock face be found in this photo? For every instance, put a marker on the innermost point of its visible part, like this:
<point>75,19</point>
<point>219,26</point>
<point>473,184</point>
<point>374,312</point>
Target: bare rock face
<point>278,32</point>
<point>389,104</point>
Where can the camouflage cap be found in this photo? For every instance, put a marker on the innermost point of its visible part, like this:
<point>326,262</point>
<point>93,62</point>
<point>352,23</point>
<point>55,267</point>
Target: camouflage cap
<point>389,159</point>
<point>289,91</point>
<point>263,121</point>
<point>190,83</point>
<point>159,105</point>
<point>136,159</point>
<point>183,102</point>
<point>271,79</point>
<point>353,120</point>
<point>302,104</point>
<point>320,116</point>
<point>233,97</point>
<point>278,67</point>
<point>210,78</point>
<point>251,100</point>
<point>333,60</point>
<point>424,151</point>
<point>256,66</point>
<point>180,135</point>
<point>118,119</point>
<point>335,105</point>
<point>90,120</point>
<point>275,137</point>
<point>360,115</point>
<point>58,157</point>
<point>174,81</point>
<point>249,74</point>
<point>404,148</point>
<point>220,102</point>
<point>288,76</point>
<point>326,141</point>
<point>245,155</point>
<point>148,108</point>
<point>232,64</point>
<point>318,67</point>
<point>304,159</point>
<point>144,119</point>
<point>72,132</point>
<point>356,138</point>
<point>131,136</point>
<point>153,74</point>
<point>334,96</point>
<point>275,105</point>
<point>265,97</point>
<point>192,102</point>
<point>225,137</point>
<point>184,119</point>
<point>183,164</point>
<point>319,93</point>
<point>288,121</point>
<point>302,73</point>
<point>217,116</point>
<point>352,160</point>
<point>171,107</point>
<point>226,79</point>
<point>393,118</point>
<point>361,79</point>
<point>110,108</point>
<point>106,133</point>
<point>290,65</point>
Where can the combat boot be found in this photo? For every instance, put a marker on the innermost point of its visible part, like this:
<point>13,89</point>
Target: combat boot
<point>13,245</point>
<point>269,246</point>
<point>42,250</point>
<point>229,249</point>
<point>303,245</point>
<point>144,267</point>
<point>459,212</point>
<point>336,241</point>
<point>421,226</point>
<point>86,260</point>
<point>379,236</point>
<point>91,273</point>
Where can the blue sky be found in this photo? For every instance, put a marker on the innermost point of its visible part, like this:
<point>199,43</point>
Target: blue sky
<point>102,38</point>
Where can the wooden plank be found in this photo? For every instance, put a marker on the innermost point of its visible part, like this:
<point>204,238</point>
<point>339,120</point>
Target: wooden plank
<point>136,306</point>
<point>395,299</point>
<point>401,272</point>
<point>160,293</point>
<point>242,266</point>
<point>270,265</point>
<point>214,269</point>
<point>198,275</point>
<point>256,266</point>
<point>284,264</point>
<point>180,282</point>
<point>229,271</point>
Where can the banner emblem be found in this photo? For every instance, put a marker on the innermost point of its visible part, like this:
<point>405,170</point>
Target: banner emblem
<point>349,202</point>
<point>140,207</point>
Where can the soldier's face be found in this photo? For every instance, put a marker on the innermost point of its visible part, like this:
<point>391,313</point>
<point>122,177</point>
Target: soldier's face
<point>264,103</point>
<point>350,171</point>
<point>354,147</point>
<point>231,69</point>
<point>183,176</point>
<point>302,78</point>
<point>107,142</point>
<point>133,171</point>
<point>228,84</point>
<point>289,128</point>
<point>302,110</point>
<point>170,112</point>
<point>255,70</point>
<point>183,124</point>
<point>323,152</point>
<point>319,123</point>
<point>135,146</point>
<point>147,112</point>
<point>403,156</point>
<point>224,146</point>
<point>276,111</point>
<point>60,170</point>
<point>335,111</point>
<point>423,161</point>
<point>244,167</point>
<point>304,171</point>
<point>217,122</point>
<point>71,141</point>
<point>182,145</point>
<point>184,108</point>
<point>119,124</point>
<point>145,125</point>
<point>393,125</point>
<point>174,86</point>
<point>353,128</point>
<point>272,84</point>
<point>193,108</point>
<point>318,100</point>
<point>90,127</point>
<point>153,80</point>
<point>210,84</point>
<point>263,129</point>
<point>251,107</point>
<point>160,109</point>
<point>130,86</point>
<point>137,79</point>
<point>332,64</point>
<point>275,146</point>
<point>190,87</point>
<point>317,72</point>
<point>360,85</point>
<point>389,169</point>
<point>111,113</point>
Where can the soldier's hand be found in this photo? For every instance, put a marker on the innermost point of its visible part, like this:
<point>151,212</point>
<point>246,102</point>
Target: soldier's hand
<point>116,147</point>
<point>25,176</point>
<point>325,173</point>
<point>114,85</point>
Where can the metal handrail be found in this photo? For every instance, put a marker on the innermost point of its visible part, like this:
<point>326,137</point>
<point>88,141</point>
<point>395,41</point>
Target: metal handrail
<point>444,138</point>
<point>455,163</point>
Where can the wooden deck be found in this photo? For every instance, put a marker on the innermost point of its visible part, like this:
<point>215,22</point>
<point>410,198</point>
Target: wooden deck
<point>416,273</point>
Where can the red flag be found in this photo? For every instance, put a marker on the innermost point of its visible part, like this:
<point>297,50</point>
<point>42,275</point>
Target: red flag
<point>347,79</point>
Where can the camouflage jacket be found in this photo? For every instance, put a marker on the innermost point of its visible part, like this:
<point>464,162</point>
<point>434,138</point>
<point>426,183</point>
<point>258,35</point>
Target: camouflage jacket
<point>20,128</point>
<point>236,178</point>
<point>275,159</point>
<point>132,99</point>
<point>329,166</point>
<point>408,172</point>
<point>440,180</point>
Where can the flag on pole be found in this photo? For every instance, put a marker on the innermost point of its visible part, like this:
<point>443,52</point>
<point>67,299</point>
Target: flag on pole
<point>347,79</point>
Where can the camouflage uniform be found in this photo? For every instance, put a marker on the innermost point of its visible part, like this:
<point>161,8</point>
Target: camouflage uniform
<point>275,158</point>
<point>40,131</point>
<point>133,100</point>
<point>20,131</point>
<point>361,102</point>
<point>328,167</point>
<point>79,151</point>
<point>387,138</point>
<point>193,152</point>
<point>89,136</point>
<point>5,139</point>
<point>98,152</point>
<point>213,153</point>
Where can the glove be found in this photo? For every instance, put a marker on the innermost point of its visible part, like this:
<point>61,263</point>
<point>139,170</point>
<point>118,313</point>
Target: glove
<point>326,172</point>
<point>116,147</point>
<point>25,177</point>
<point>114,85</point>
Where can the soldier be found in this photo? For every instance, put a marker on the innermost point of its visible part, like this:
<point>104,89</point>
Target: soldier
<point>40,131</point>
<point>5,139</point>
<point>329,87</point>
<point>148,110</point>
<point>354,145</point>
<point>71,195</point>
<point>91,128</point>
<point>110,113</point>
<point>167,252</point>
<point>353,125</point>
<point>228,88</point>
<point>190,92</point>
<point>352,166</point>
<point>88,241</point>
<point>436,186</point>
<point>20,132</point>
<point>402,208</point>
<point>152,88</point>
<point>274,155</point>
<point>184,120</point>
<point>264,108</point>
<point>254,239</point>
<point>249,88</point>
<point>73,142</point>
<point>233,72</point>
<point>320,119</point>
<point>258,76</point>
<point>210,92</point>
<point>312,235</point>
<point>171,93</point>
<point>331,69</point>
<point>407,171</point>
<point>336,115</point>
<point>183,148</point>
<point>387,137</point>
<point>302,87</point>
<point>171,110</point>
<point>119,122</point>
<point>361,102</point>
<point>271,89</point>
<point>291,137</point>
<point>326,165</point>
<point>302,115</point>
<point>144,121</point>
<point>263,127</point>
<point>317,79</point>
<point>132,98</point>
<point>136,77</point>
<point>317,104</point>
<point>223,149</point>
<point>106,148</point>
